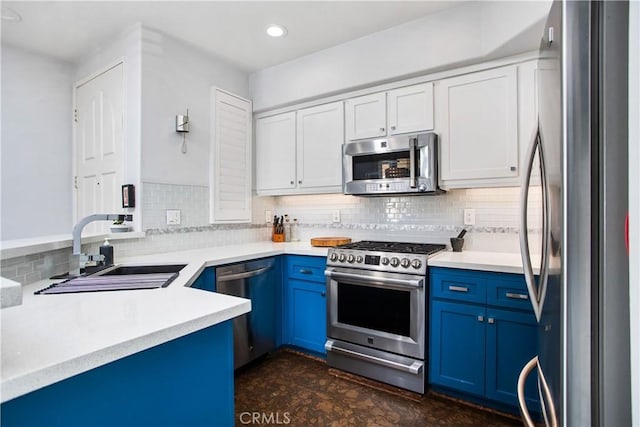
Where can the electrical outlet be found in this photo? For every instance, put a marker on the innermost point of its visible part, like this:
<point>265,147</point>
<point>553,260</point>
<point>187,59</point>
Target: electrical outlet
<point>173,216</point>
<point>268,217</point>
<point>469,216</point>
<point>336,215</point>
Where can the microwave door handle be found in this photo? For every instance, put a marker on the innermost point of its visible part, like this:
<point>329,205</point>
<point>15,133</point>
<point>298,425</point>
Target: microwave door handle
<point>412,162</point>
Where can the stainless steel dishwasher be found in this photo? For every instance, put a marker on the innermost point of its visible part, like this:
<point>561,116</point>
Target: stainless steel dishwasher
<point>254,333</point>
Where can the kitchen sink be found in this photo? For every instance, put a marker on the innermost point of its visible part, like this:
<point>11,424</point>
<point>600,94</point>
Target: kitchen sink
<point>119,278</point>
<point>122,270</point>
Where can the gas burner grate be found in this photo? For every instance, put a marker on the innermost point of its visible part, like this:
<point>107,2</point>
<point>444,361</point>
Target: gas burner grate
<point>400,247</point>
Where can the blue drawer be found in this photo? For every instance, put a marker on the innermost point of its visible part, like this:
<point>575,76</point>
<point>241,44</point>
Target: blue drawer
<point>508,290</point>
<point>458,285</point>
<point>309,268</point>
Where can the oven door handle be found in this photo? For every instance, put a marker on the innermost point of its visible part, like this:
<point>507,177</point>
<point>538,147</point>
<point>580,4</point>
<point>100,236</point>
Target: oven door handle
<point>387,282</point>
<point>415,368</point>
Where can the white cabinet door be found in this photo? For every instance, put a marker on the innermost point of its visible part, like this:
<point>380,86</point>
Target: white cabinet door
<point>411,109</point>
<point>320,136</point>
<point>366,116</point>
<point>477,121</point>
<point>230,165</point>
<point>276,152</point>
<point>99,146</point>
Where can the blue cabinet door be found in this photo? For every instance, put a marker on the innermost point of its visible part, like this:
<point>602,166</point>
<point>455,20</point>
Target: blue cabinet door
<point>511,343</point>
<point>206,280</point>
<point>307,314</point>
<point>457,346</point>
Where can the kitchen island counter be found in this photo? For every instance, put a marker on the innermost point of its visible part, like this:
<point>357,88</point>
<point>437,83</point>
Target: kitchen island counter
<point>49,338</point>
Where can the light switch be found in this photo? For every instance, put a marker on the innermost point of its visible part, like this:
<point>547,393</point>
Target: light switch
<point>173,216</point>
<point>336,215</point>
<point>469,216</point>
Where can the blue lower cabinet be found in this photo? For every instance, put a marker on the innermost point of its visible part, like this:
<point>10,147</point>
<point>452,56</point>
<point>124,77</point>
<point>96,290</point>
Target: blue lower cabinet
<point>307,321</point>
<point>482,334</point>
<point>184,382</point>
<point>305,307</point>
<point>206,281</point>
<point>457,346</point>
<point>511,343</point>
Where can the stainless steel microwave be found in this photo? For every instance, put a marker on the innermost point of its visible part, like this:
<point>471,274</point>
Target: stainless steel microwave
<point>398,164</point>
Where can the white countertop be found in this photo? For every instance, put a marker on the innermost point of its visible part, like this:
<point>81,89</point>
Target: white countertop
<point>483,261</point>
<point>52,337</point>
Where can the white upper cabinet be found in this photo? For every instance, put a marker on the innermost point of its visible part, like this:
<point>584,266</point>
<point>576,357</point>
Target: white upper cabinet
<point>319,144</point>
<point>477,124</point>
<point>407,109</point>
<point>276,153</point>
<point>366,116</point>
<point>300,152</point>
<point>411,109</point>
<point>230,170</point>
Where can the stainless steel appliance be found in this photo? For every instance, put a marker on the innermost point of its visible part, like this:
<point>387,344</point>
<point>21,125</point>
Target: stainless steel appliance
<point>398,164</point>
<point>254,333</point>
<point>577,163</point>
<point>376,310</point>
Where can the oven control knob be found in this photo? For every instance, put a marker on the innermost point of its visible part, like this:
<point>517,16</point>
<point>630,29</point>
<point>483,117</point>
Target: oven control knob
<point>333,257</point>
<point>359,259</point>
<point>351,259</point>
<point>385,261</point>
<point>342,257</point>
<point>405,263</point>
<point>394,262</point>
<point>416,263</point>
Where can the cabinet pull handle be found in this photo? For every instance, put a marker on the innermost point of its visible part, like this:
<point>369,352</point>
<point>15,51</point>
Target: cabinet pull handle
<point>514,295</point>
<point>381,129</point>
<point>393,128</point>
<point>458,288</point>
<point>305,271</point>
<point>480,318</point>
<point>491,320</point>
<point>299,181</point>
<point>512,168</point>
<point>323,293</point>
<point>291,182</point>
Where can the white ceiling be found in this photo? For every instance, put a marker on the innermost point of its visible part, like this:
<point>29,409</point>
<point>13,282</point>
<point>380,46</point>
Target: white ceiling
<point>231,30</point>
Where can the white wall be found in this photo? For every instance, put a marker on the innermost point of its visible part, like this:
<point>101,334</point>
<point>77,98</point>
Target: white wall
<point>36,145</point>
<point>176,76</point>
<point>471,33</point>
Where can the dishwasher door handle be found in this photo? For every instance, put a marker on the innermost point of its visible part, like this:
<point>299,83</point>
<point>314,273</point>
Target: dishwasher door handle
<point>243,275</point>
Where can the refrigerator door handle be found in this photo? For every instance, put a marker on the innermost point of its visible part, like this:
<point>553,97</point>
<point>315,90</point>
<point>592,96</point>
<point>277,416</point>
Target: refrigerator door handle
<point>546,400</point>
<point>522,379</point>
<point>536,293</point>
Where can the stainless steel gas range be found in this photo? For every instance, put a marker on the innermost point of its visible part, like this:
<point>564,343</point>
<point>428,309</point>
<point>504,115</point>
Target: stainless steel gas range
<point>376,310</point>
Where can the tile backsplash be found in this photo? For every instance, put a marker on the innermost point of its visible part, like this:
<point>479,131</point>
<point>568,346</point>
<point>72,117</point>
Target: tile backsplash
<point>431,219</point>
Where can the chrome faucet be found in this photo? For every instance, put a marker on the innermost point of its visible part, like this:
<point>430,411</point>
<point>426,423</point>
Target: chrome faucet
<point>77,232</point>
<point>77,229</point>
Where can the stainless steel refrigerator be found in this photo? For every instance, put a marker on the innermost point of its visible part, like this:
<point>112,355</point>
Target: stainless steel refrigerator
<point>574,203</point>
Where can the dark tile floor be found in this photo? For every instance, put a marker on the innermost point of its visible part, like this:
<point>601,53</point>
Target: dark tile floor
<point>287,388</point>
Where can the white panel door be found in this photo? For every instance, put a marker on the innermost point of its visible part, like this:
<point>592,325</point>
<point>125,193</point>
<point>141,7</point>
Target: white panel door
<point>366,116</point>
<point>320,133</point>
<point>276,152</point>
<point>230,165</point>
<point>411,109</point>
<point>477,121</point>
<point>99,146</point>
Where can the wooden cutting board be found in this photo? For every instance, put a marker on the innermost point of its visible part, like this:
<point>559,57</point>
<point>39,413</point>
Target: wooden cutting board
<point>329,241</point>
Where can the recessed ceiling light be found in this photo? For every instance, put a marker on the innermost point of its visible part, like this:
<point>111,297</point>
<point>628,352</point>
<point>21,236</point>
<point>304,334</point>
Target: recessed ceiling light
<point>11,15</point>
<point>276,30</point>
